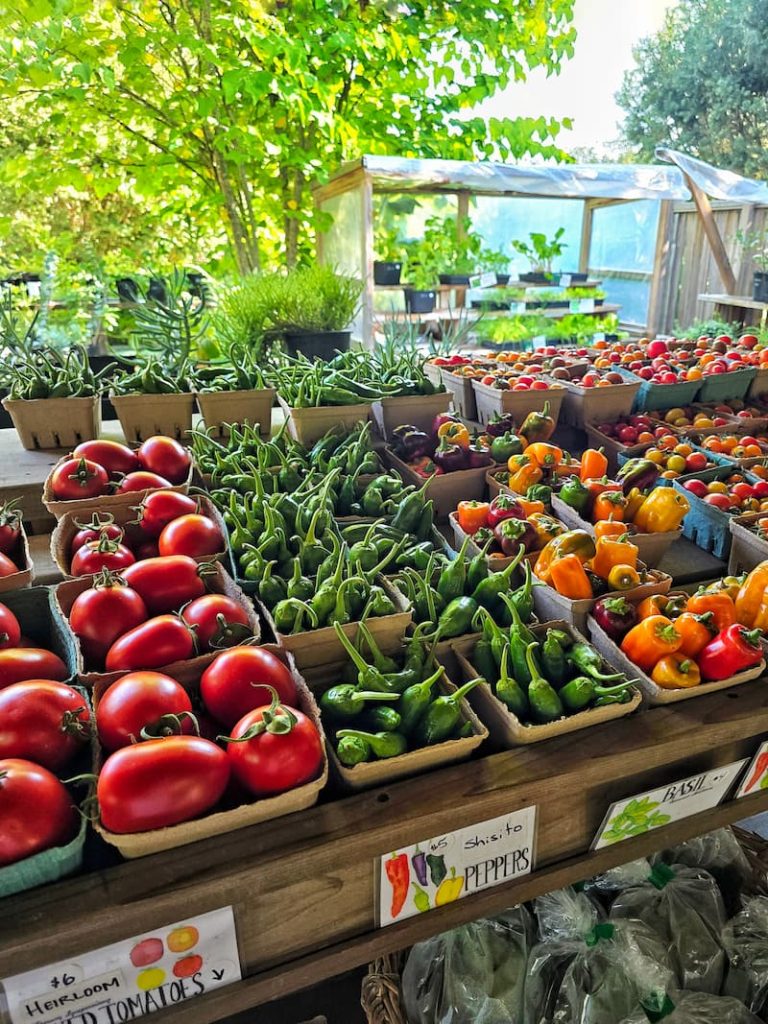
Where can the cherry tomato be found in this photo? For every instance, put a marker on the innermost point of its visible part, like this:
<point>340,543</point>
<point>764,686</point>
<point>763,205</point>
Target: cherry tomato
<point>93,530</point>
<point>219,621</point>
<point>236,682</point>
<point>75,479</point>
<point>283,749</point>
<point>167,457</point>
<point>43,721</point>
<point>156,642</point>
<point>10,630</point>
<point>20,663</point>
<point>194,535</point>
<point>137,701</point>
<point>96,555</point>
<point>160,783</point>
<point>7,567</point>
<point>104,612</point>
<point>165,584</point>
<point>161,507</point>
<point>116,458</point>
<point>36,810</point>
<point>141,481</point>
<point>10,527</point>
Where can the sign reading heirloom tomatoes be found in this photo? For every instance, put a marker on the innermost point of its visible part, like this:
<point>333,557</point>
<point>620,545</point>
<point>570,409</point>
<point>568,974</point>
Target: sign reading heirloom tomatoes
<point>437,871</point>
<point>131,978</point>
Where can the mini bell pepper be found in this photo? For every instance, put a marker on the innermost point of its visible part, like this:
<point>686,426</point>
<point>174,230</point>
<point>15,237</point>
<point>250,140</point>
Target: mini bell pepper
<point>594,464</point>
<point>504,506</point>
<point>531,508</point>
<point>656,604</point>
<point>609,528</point>
<point>513,534</point>
<point>524,477</point>
<point>696,631</point>
<point>664,509</point>
<point>722,608</point>
<point>505,446</point>
<point>623,577</point>
<point>572,542</point>
<point>733,650</point>
<point>751,595</point>
<point>575,494</point>
<point>635,499</point>
<point>650,640</point>
<point>730,584</point>
<point>454,433</point>
<point>611,551</point>
<point>568,577</point>
<point>609,505</point>
<point>539,492</point>
<point>640,473</point>
<point>425,468</point>
<point>599,485</point>
<point>538,426</point>
<point>675,671</point>
<point>615,616</point>
<point>478,456</point>
<point>546,527</point>
<point>544,454</point>
<point>472,515</point>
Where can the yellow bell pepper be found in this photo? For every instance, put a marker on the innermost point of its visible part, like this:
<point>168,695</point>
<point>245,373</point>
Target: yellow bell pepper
<point>524,477</point>
<point>449,889</point>
<point>729,585</point>
<point>751,596</point>
<point>664,509</point>
<point>635,499</point>
<point>572,542</point>
<point>675,671</point>
<point>545,526</point>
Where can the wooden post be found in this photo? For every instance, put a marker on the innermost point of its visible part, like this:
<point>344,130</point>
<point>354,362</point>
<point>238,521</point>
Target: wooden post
<point>704,209</point>
<point>661,267</point>
<point>462,211</point>
<point>586,236</point>
<point>366,257</point>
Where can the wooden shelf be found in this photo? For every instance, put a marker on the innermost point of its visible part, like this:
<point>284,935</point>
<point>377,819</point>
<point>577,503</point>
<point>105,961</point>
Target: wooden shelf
<point>737,301</point>
<point>303,889</point>
<point>475,314</point>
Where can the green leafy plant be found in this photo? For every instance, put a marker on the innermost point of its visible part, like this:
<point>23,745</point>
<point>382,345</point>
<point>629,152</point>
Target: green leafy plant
<point>387,244</point>
<point>711,328</point>
<point>174,329</point>
<point>241,315</point>
<point>505,329</point>
<point>584,293</point>
<point>450,248</point>
<point>317,298</point>
<point>755,246</point>
<point>542,251</point>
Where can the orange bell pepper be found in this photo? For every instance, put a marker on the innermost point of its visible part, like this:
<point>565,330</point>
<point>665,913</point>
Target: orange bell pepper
<point>653,605</point>
<point>572,542</point>
<point>609,505</point>
<point>456,433</point>
<point>609,552</point>
<point>610,528</point>
<point>569,578</point>
<point>650,640</point>
<point>544,454</point>
<point>594,464</point>
<point>524,477</point>
<point>722,608</point>
<point>675,671</point>
<point>750,597</point>
<point>623,577</point>
<point>531,508</point>
<point>696,631</point>
<point>472,515</point>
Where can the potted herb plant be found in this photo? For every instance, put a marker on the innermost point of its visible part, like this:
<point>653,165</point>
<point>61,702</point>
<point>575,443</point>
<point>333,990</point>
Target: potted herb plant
<point>540,254</point>
<point>755,247</point>
<point>388,264</point>
<point>318,306</point>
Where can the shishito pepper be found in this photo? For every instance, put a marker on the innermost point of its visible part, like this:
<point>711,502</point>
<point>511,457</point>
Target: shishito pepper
<point>664,509</point>
<point>538,426</point>
<point>347,701</point>
<point>733,650</point>
<point>443,715</point>
<point>545,705</point>
<point>572,542</point>
<point>472,515</point>
<point>751,595</point>
<point>650,640</point>
<point>579,693</point>
<point>509,691</point>
<point>675,671</point>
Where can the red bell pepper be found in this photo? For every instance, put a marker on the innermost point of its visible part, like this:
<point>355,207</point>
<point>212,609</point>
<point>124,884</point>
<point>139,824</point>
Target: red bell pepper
<point>733,650</point>
<point>504,506</point>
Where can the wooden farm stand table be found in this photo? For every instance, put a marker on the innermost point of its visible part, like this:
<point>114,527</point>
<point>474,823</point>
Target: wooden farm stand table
<point>303,888</point>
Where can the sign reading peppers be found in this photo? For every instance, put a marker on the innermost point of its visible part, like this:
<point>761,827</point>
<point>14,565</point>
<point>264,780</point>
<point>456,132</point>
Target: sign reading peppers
<point>446,868</point>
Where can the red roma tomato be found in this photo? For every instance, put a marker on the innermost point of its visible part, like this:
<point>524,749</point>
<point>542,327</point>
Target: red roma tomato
<point>7,567</point>
<point>137,701</point>
<point>116,458</point>
<point>167,457</point>
<point>100,554</point>
<point>165,584</point>
<point>10,527</point>
<point>219,621</point>
<point>236,682</point>
<point>10,630</point>
<point>156,642</point>
<point>79,478</point>
<point>43,721</point>
<point>36,810</point>
<point>141,481</point>
<point>161,507</point>
<point>98,525</point>
<point>160,783</point>
<point>20,663</point>
<point>193,535</point>
<point>103,613</point>
<point>279,749</point>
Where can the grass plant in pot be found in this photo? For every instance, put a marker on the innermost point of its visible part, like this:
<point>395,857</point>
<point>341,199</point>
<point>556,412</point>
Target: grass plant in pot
<point>540,253</point>
<point>318,306</point>
<point>755,246</point>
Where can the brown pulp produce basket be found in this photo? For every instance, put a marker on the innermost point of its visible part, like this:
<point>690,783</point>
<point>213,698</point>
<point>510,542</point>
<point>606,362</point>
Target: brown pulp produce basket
<point>462,392</point>
<point>67,527</point>
<point>551,605</point>
<point>220,409</point>
<point>63,597</point>
<point>613,448</point>
<point>308,425</point>
<point>215,823</point>
<point>84,507</point>
<point>414,410</point>
<point>22,558</point>
<point>413,762</point>
<point>54,422</point>
<point>447,490</point>
<point>656,694</point>
<point>494,564</point>
<point>590,405</point>
<point>747,549</point>
<point>505,728</point>
<point>492,401</point>
<point>143,416</point>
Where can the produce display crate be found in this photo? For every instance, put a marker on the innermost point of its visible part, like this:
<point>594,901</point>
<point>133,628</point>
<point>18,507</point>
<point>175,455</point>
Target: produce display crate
<point>495,564</point>
<point>143,416</point>
<point>759,385</point>
<point>447,490</point>
<point>719,387</point>
<point>651,397</point>
<point>492,402</point>
<point>721,467</point>
<point>505,728</point>
<point>415,410</point>
<point>413,762</point>
<point>463,394</point>
<point>84,507</point>
<point>219,409</point>
<point>433,373</point>
<point>308,425</point>
<point>747,549</point>
<point>551,605</point>
<point>706,526</point>
<point>67,527</point>
<point>653,694</point>
<point>54,422</point>
<point>62,597</point>
<point>44,867</point>
<point>613,449</point>
<point>217,823</point>
<point>39,624</point>
<point>582,406</point>
<point>20,556</point>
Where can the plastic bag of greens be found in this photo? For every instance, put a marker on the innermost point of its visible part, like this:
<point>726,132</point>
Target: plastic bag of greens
<point>745,939</point>
<point>699,1008</point>
<point>606,885</point>
<point>589,971</point>
<point>683,906</point>
<point>470,975</point>
<point>720,854</point>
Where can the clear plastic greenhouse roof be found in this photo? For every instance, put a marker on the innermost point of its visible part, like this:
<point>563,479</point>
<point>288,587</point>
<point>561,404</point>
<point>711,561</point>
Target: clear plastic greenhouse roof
<point>574,181</point>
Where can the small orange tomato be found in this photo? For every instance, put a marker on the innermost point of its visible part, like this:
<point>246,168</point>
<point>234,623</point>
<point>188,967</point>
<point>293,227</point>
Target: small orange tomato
<point>717,487</point>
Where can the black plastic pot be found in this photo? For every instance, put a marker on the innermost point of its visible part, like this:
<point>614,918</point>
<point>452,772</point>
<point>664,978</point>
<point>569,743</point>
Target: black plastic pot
<point>157,290</point>
<point>455,279</point>
<point>502,279</point>
<point>5,417</point>
<point>760,286</point>
<point>489,305</point>
<point>537,277</point>
<point>575,276</point>
<point>317,345</point>
<point>419,300</point>
<point>127,289</point>
<point>387,272</point>
<point>198,285</point>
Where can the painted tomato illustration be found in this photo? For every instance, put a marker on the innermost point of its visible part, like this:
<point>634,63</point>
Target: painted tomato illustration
<point>146,952</point>
<point>182,939</point>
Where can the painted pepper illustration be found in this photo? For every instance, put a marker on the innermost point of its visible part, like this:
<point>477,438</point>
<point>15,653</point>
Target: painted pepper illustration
<point>420,899</point>
<point>449,889</point>
<point>761,765</point>
<point>419,864</point>
<point>437,868</point>
<point>399,875</point>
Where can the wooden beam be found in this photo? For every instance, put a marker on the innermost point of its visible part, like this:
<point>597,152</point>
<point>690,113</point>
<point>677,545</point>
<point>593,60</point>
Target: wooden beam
<point>586,235</point>
<point>704,210</point>
<point>661,266</point>
<point>366,257</point>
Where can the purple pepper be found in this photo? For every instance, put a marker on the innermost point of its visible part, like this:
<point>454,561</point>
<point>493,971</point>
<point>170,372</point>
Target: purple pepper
<point>415,444</point>
<point>479,456</point>
<point>450,457</point>
<point>615,616</point>
<point>500,425</point>
<point>419,862</point>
